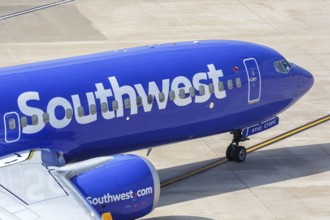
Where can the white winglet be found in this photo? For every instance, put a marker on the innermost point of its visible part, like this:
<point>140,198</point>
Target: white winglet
<point>75,169</point>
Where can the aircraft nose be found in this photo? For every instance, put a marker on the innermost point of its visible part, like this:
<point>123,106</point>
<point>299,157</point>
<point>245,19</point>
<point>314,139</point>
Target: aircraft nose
<point>305,79</point>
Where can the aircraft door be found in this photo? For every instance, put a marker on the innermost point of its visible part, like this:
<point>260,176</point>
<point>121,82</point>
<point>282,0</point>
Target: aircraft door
<point>254,80</point>
<point>12,127</point>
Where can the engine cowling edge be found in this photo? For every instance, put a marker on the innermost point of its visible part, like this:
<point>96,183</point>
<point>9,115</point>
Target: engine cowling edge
<point>127,186</point>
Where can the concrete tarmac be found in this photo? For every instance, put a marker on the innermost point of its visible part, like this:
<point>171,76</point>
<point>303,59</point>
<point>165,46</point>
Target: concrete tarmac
<point>287,180</point>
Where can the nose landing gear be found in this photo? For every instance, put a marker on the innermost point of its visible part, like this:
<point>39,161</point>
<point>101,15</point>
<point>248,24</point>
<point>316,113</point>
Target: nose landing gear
<point>234,151</point>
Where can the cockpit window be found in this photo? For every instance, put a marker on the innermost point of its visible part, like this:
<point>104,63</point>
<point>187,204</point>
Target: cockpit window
<point>282,66</point>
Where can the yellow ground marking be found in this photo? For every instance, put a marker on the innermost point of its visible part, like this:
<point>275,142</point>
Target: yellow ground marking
<point>249,150</point>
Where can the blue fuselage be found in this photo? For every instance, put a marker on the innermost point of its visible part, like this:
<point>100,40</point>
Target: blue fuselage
<point>131,99</point>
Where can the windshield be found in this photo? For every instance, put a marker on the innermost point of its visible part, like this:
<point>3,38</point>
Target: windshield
<point>282,66</point>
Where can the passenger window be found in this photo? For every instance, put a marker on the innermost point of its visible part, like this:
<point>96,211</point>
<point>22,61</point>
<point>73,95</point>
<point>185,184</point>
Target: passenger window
<point>68,113</point>
<point>104,107</point>
<point>114,105</point>
<point>201,90</point>
<point>127,103</point>
<point>45,117</point>
<point>12,124</point>
<point>35,120</point>
<point>192,91</point>
<point>150,99</point>
<point>139,101</point>
<point>211,88</point>
<point>230,84</point>
<point>172,95</point>
<point>161,97</point>
<point>221,87</point>
<point>92,109</point>
<point>238,83</point>
<point>182,93</point>
<point>80,111</point>
<point>23,121</point>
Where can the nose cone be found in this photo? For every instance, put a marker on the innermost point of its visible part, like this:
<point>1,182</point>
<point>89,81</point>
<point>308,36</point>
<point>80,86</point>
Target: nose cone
<point>305,79</point>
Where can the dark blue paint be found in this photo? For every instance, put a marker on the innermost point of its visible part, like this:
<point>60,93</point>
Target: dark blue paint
<point>78,75</point>
<point>123,176</point>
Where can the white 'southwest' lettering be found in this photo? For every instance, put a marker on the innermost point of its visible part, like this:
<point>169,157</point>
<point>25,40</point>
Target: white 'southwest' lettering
<point>154,91</point>
<point>52,105</point>
<point>120,91</point>
<point>85,119</point>
<point>109,198</point>
<point>29,111</point>
<point>215,75</point>
<point>103,97</point>
<point>186,84</point>
<point>197,84</point>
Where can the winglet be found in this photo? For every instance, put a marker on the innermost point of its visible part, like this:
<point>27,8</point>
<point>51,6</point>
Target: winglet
<point>75,169</point>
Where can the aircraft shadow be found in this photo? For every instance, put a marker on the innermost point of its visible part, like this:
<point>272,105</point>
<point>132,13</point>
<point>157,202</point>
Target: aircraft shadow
<point>261,168</point>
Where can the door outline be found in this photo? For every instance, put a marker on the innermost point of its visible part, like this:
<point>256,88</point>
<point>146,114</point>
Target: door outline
<point>250,80</point>
<point>18,127</point>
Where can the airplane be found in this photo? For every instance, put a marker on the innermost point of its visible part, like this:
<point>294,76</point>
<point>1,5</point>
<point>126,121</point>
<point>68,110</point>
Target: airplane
<point>68,123</point>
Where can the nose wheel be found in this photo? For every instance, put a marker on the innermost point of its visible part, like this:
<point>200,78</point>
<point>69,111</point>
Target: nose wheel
<point>234,151</point>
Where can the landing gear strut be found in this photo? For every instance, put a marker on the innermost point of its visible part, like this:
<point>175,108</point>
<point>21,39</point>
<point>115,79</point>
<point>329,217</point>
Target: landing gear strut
<point>234,151</point>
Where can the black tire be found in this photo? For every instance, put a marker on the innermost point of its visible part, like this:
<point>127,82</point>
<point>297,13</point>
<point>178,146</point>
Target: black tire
<point>240,154</point>
<point>230,152</point>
